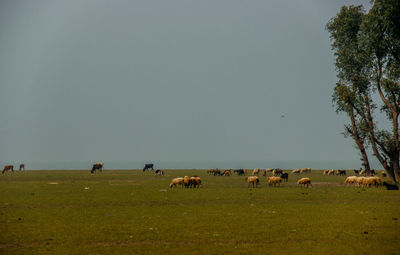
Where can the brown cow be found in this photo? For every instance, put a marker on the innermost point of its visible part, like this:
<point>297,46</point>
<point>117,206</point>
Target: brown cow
<point>8,167</point>
<point>21,167</point>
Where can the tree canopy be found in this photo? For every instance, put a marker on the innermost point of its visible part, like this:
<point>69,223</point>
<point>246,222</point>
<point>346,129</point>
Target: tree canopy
<point>366,46</point>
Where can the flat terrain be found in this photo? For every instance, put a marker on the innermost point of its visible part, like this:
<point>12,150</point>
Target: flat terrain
<point>131,212</point>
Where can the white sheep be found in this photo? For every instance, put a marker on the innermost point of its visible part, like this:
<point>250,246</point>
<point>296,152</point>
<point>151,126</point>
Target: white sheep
<point>296,171</point>
<point>304,181</point>
<point>350,180</point>
<point>176,181</point>
<point>252,180</point>
<point>274,181</point>
<point>369,181</point>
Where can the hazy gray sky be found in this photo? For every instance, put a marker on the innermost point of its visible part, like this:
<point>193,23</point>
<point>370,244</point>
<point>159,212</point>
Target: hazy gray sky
<point>179,83</point>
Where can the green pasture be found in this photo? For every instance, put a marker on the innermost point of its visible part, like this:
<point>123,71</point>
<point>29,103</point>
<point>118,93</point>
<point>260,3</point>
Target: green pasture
<point>131,212</point>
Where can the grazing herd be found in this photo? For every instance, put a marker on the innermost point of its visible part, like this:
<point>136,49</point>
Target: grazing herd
<point>362,178</point>
<point>11,167</point>
<point>186,182</point>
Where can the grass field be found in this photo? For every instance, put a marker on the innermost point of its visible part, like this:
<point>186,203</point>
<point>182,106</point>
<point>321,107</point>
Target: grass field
<point>131,212</point>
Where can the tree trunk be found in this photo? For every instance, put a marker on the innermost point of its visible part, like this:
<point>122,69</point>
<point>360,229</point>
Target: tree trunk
<point>396,167</point>
<point>359,142</point>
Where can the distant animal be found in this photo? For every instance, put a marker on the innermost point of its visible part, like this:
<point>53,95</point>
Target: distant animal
<point>176,181</point>
<point>8,167</point>
<point>384,174</point>
<point>217,172</point>
<point>186,181</point>
<point>269,170</point>
<point>195,181</point>
<point>211,171</point>
<point>340,172</point>
<point>305,170</point>
<point>331,172</point>
<point>252,180</point>
<point>239,171</point>
<point>159,172</point>
<point>351,180</point>
<point>390,186</point>
<point>296,171</point>
<point>227,172</point>
<point>274,180</point>
<point>304,181</point>
<point>148,166</point>
<point>285,176</point>
<point>325,172</point>
<point>256,171</point>
<point>370,181</point>
<point>97,166</point>
<point>277,172</point>
<point>21,167</point>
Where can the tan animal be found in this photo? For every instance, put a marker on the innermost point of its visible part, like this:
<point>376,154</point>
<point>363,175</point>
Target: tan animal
<point>195,181</point>
<point>296,171</point>
<point>304,181</point>
<point>350,180</point>
<point>176,181</point>
<point>266,171</point>
<point>359,181</point>
<point>371,181</point>
<point>331,172</point>
<point>274,181</point>
<point>305,170</point>
<point>252,180</point>
<point>256,171</point>
<point>186,181</point>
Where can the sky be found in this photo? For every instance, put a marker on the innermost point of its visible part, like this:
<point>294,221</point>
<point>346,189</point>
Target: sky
<point>182,84</point>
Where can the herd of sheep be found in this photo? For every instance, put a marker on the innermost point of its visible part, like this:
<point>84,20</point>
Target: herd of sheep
<point>187,182</point>
<point>363,180</point>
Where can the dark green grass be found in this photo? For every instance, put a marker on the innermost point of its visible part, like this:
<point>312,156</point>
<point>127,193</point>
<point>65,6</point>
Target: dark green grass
<point>130,212</point>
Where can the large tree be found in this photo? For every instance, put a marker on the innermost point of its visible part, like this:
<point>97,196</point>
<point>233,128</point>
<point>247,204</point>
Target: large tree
<point>367,51</point>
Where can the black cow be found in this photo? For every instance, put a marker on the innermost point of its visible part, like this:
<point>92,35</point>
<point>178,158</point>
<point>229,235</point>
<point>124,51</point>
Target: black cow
<point>239,171</point>
<point>148,166</point>
<point>390,186</point>
<point>285,176</point>
<point>341,172</point>
<point>217,172</point>
<point>97,166</point>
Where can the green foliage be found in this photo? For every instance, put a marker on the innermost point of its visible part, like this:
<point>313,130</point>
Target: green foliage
<point>367,51</point>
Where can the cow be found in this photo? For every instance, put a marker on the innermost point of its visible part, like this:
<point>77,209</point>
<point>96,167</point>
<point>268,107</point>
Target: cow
<point>97,166</point>
<point>8,167</point>
<point>21,167</point>
<point>340,172</point>
<point>159,172</point>
<point>277,172</point>
<point>239,171</point>
<point>217,172</point>
<point>227,172</point>
<point>285,176</point>
<point>148,166</point>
